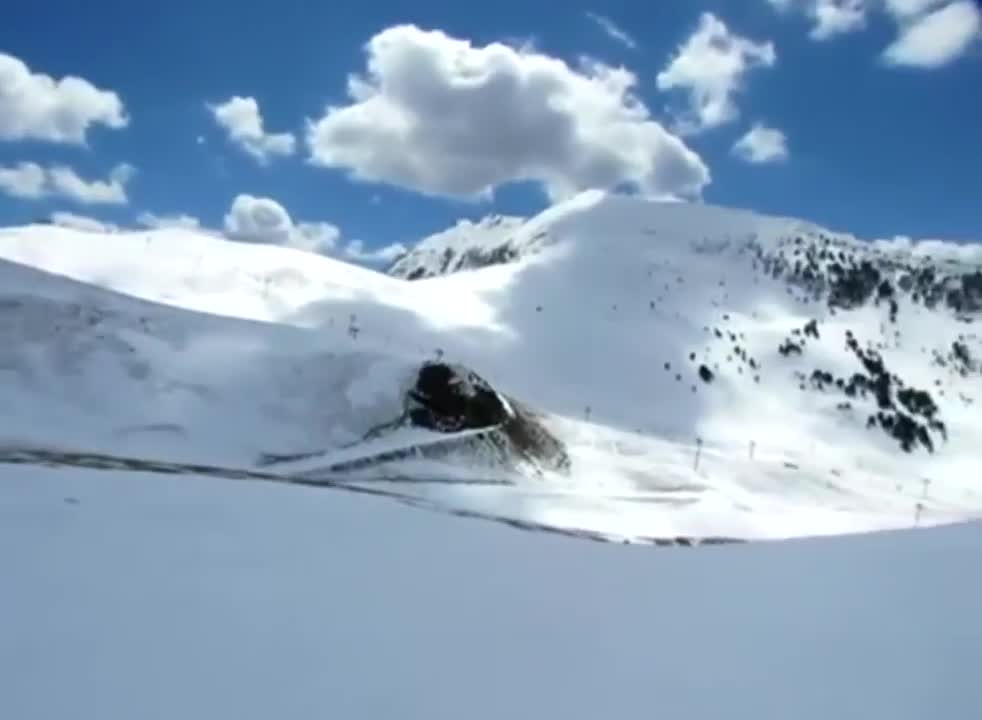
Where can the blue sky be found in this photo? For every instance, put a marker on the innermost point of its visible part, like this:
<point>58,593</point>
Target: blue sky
<point>876,106</point>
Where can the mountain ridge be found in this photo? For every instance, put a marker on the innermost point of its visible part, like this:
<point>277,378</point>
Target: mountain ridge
<point>714,362</point>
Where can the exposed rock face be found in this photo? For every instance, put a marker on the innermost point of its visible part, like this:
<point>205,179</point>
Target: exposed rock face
<point>450,398</point>
<point>420,264</point>
<point>424,263</point>
<point>466,246</point>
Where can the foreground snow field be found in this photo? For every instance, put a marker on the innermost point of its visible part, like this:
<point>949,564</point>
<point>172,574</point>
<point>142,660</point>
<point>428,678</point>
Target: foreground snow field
<point>129,595</point>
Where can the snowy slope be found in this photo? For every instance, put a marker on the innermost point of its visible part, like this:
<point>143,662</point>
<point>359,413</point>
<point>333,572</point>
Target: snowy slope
<point>175,344</point>
<point>138,594</point>
<point>465,246</point>
<point>128,596</point>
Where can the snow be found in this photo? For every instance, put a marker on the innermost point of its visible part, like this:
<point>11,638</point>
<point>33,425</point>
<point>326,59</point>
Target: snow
<point>441,253</point>
<point>129,594</point>
<point>140,596</point>
<point>179,345</point>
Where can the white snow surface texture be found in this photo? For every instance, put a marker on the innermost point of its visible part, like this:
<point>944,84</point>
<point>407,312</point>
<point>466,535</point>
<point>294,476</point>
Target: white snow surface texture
<point>128,594</point>
<point>177,345</point>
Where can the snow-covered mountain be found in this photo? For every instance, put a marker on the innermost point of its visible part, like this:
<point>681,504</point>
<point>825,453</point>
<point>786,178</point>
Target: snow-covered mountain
<point>708,372</point>
<point>466,246</point>
<point>651,372</point>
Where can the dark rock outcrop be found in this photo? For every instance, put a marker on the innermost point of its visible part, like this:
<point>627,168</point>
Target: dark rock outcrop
<point>450,398</point>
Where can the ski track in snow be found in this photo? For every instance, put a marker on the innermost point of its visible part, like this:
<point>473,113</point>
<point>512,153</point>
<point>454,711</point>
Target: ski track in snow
<point>178,346</point>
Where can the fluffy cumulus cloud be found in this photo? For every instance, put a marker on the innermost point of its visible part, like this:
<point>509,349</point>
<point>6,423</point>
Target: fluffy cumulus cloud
<point>319,237</point>
<point>355,250</point>
<point>157,222</point>
<point>24,180</point>
<point>911,8</point>
<point>255,219</point>
<point>762,144</point>
<point>242,121</point>
<point>34,106</point>
<point>837,17</point>
<point>613,30</point>
<point>82,222</point>
<point>30,180</point>
<point>935,38</point>
<point>263,220</point>
<point>441,116</point>
<point>710,67</point>
<point>930,33</point>
<point>66,182</point>
<point>833,17</point>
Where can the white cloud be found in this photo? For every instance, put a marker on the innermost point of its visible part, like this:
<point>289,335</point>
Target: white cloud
<point>355,250</point>
<point>910,8</point>
<point>319,237</point>
<point>150,220</point>
<point>30,180</point>
<point>710,67</point>
<point>931,33</point>
<point>837,17</point>
<point>34,106</point>
<point>82,222</point>
<point>444,117</point>
<point>762,144</point>
<point>936,38</point>
<point>241,119</point>
<point>256,219</point>
<point>263,220</point>
<point>833,17</point>
<point>64,181</point>
<point>24,180</point>
<point>613,30</point>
